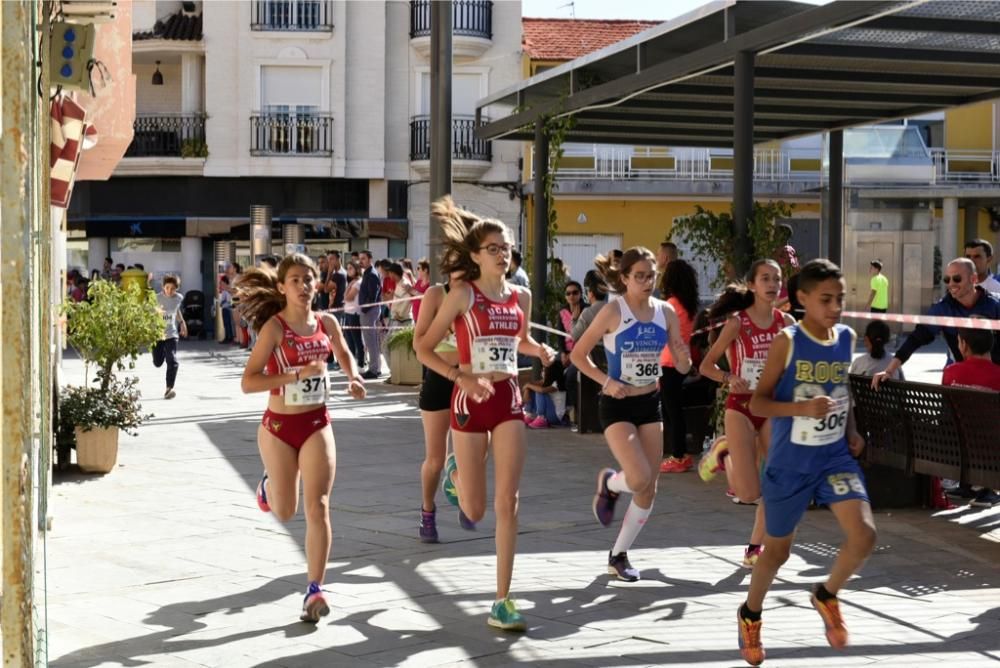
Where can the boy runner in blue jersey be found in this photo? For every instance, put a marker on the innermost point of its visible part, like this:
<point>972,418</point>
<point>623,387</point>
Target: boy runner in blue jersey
<point>804,390</point>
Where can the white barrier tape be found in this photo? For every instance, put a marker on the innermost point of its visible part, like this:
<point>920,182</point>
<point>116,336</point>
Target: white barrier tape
<point>936,320</point>
<point>550,330</point>
<point>385,303</point>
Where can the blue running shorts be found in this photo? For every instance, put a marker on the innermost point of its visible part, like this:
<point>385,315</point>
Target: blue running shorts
<point>787,493</point>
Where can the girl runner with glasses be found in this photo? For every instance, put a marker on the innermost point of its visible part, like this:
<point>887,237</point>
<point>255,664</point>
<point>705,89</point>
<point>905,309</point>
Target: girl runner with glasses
<point>634,329</point>
<point>488,316</point>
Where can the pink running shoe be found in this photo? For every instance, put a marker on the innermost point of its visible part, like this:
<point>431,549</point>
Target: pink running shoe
<point>314,606</point>
<point>262,494</point>
<point>539,423</point>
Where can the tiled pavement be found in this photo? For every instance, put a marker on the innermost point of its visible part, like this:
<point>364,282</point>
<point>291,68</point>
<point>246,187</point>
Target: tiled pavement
<point>167,561</point>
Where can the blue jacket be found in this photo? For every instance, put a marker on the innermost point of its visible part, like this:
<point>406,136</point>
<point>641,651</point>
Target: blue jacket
<point>371,289</point>
<point>987,306</point>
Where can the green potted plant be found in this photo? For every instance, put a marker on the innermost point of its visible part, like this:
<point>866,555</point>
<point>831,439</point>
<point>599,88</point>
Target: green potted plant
<point>109,330</point>
<point>404,367</point>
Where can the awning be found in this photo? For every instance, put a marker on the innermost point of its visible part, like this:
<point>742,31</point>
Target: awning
<point>817,68</point>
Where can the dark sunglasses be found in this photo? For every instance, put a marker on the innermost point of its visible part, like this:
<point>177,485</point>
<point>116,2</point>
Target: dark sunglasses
<point>952,279</point>
<point>573,293</point>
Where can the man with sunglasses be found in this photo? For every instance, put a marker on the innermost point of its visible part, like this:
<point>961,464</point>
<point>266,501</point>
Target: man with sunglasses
<point>964,299</point>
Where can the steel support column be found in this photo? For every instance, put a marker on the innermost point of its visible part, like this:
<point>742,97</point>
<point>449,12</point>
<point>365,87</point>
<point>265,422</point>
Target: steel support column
<point>440,130</point>
<point>835,201</point>
<point>540,229</point>
<point>18,150</point>
<point>743,158</point>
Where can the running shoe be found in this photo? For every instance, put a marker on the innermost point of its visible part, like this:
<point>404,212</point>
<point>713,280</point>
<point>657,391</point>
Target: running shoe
<point>620,567</point>
<point>829,611</point>
<point>985,498</point>
<point>735,499</point>
<point>447,484</point>
<point>262,494</point>
<point>750,556</point>
<point>539,423</point>
<point>169,394</point>
<point>465,522</point>
<point>711,462</point>
<point>677,465</point>
<point>751,648</point>
<point>428,526</point>
<point>504,615</point>
<point>314,605</point>
<point>605,499</point>
<point>731,493</point>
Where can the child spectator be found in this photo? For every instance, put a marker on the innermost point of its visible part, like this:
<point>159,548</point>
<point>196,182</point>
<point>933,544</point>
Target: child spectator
<point>875,360</point>
<point>540,409</point>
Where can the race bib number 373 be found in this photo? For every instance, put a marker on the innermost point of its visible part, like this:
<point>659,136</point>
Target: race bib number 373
<point>494,354</point>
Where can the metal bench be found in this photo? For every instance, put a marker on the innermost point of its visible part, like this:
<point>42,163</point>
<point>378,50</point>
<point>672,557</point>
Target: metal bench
<point>917,428</point>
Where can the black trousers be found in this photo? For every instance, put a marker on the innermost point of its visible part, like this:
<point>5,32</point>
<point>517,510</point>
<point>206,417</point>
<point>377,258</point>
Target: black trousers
<point>672,401</point>
<point>166,351</point>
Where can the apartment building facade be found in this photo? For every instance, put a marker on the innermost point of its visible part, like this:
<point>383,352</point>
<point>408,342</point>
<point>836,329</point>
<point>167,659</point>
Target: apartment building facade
<point>314,108</point>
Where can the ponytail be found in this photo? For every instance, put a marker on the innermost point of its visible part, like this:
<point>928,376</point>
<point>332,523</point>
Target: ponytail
<point>257,295</point>
<point>616,277</point>
<point>463,234</point>
<point>877,332</point>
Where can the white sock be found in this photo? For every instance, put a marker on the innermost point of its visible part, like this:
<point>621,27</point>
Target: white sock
<point>617,484</point>
<point>632,523</point>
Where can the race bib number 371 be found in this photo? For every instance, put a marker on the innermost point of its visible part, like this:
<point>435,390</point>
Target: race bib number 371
<point>494,354</point>
<point>312,391</point>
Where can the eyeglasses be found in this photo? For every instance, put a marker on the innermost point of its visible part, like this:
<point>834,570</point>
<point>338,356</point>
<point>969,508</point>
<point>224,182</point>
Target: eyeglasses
<point>952,279</point>
<point>573,293</point>
<point>641,277</point>
<point>496,249</point>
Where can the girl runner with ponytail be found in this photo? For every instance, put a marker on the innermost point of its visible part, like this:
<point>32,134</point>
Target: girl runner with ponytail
<point>752,324</point>
<point>295,438</point>
<point>488,316</point>
<point>634,329</point>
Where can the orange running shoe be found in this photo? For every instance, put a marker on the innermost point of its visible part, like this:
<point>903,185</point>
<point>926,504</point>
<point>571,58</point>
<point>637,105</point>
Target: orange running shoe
<point>836,631</point>
<point>751,648</point>
<point>677,465</point>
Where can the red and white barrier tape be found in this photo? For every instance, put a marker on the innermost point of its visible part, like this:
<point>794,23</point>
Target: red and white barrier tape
<point>936,320</point>
<point>383,303</point>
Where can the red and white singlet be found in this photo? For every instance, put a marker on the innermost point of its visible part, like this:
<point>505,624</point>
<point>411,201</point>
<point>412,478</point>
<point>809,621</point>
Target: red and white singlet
<point>295,351</point>
<point>748,352</point>
<point>487,334</point>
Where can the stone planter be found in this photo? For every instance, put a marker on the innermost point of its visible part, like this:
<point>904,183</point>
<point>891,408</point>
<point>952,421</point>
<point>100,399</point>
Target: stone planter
<point>404,368</point>
<point>97,449</point>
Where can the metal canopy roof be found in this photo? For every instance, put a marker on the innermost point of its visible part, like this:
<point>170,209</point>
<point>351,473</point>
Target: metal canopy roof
<point>817,68</point>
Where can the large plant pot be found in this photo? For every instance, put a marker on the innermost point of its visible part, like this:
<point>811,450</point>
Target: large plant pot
<point>97,449</point>
<point>404,368</point>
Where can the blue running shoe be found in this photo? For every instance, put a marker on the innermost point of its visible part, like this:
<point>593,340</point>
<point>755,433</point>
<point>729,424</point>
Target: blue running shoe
<point>465,522</point>
<point>314,606</point>
<point>504,615</point>
<point>447,484</point>
<point>262,494</point>
<point>605,499</point>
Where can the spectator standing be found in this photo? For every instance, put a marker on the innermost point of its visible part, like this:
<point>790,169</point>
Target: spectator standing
<point>679,284</point>
<point>878,299</point>
<point>322,300</point>
<point>352,313</point>
<point>965,299</point>
<point>370,293</point>
<point>336,282</point>
<point>570,313</point>
<point>226,306</point>
<point>517,276</point>
<point>422,284</point>
<point>108,267</point>
<point>165,350</point>
<point>401,310</point>
<point>980,252</point>
<point>977,371</point>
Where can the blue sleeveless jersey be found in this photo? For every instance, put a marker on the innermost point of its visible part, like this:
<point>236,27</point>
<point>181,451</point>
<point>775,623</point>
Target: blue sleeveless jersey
<point>633,349</point>
<point>814,368</point>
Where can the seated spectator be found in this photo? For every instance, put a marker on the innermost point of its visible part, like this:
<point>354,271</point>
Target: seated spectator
<point>541,398</point>
<point>978,371</point>
<point>877,335</point>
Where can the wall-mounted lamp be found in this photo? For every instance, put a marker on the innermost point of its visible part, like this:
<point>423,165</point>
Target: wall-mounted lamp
<point>157,75</point>
<point>582,218</point>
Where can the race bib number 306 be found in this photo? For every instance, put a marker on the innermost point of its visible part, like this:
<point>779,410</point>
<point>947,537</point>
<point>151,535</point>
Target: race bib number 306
<point>640,367</point>
<point>312,391</point>
<point>494,354</point>
<point>823,431</point>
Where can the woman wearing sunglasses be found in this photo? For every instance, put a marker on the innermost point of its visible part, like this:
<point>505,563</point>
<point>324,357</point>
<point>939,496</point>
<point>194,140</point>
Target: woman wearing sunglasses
<point>487,314</point>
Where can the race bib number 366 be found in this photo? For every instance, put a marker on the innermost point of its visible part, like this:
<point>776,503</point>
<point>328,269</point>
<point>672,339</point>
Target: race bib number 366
<point>825,430</point>
<point>494,354</point>
<point>640,367</point>
<point>312,391</point>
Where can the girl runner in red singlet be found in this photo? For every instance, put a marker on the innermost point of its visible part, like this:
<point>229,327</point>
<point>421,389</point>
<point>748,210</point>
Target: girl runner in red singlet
<point>745,339</point>
<point>295,438</point>
<point>488,316</point>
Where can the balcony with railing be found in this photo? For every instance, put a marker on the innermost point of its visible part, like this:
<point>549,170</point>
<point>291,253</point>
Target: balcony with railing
<point>166,143</point>
<point>471,156</point>
<point>472,27</point>
<point>286,134</point>
<point>292,15</point>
